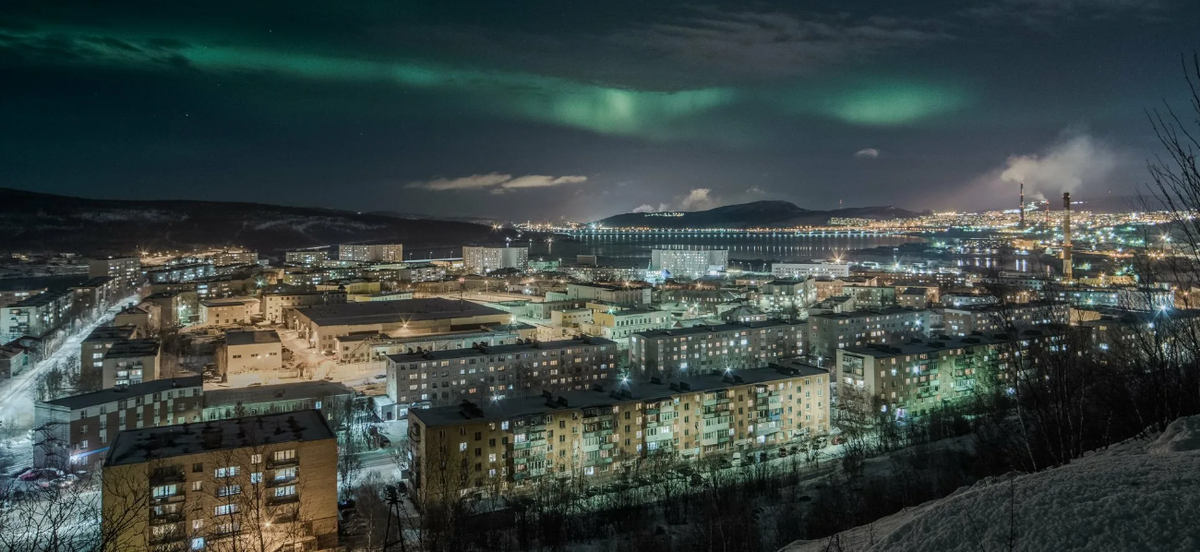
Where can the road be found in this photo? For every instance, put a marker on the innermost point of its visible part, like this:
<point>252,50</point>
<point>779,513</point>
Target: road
<point>17,395</point>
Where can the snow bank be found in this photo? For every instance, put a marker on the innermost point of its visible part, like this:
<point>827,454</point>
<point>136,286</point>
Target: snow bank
<point>1140,495</point>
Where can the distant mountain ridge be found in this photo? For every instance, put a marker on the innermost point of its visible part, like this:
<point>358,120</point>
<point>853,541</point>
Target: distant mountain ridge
<point>756,214</point>
<point>32,221</point>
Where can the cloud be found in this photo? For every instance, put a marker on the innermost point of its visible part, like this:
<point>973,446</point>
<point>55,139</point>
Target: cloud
<point>771,44</point>
<point>473,182</point>
<point>1041,13</point>
<point>496,182</point>
<point>867,153</point>
<point>755,191</point>
<point>645,208</point>
<point>698,199</point>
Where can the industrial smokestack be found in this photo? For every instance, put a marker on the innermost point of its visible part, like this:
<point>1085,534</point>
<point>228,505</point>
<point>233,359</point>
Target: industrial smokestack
<point>1066,249</point>
<point>1021,226</point>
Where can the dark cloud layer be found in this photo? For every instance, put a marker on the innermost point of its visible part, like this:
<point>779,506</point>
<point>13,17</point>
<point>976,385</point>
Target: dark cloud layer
<point>543,109</point>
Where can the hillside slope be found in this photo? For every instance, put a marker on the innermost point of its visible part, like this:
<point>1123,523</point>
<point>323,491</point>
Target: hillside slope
<point>1139,495</point>
<point>33,221</point>
<point>757,214</point>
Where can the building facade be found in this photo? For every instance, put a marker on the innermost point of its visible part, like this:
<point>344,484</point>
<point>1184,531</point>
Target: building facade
<point>801,271</point>
<point>378,252</point>
<point>263,481</point>
<point>703,350</point>
<point>507,446</point>
<point>36,316</point>
<point>689,263</point>
<point>250,351</point>
<point>127,271</point>
<point>275,303</point>
<point>74,433</point>
<point>832,331</point>
<point>131,362</point>
<point>481,260</point>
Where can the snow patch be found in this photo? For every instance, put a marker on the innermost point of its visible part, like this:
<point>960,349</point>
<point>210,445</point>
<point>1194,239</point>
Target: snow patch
<point>1140,495</point>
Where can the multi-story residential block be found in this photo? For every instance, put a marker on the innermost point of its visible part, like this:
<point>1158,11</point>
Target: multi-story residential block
<point>179,273</point>
<point>481,260</point>
<point>276,303</point>
<point>322,324</point>
<point>782,294</point>
<point>967,320</point>
<point>378,252</point>
<point>688,263</point>
<point>801,271</point>
<point>826,288</point>
<point>505,446</point>
<point>619,324</point>
<point>127,271</point>
<point>871,296</point>
<point>95,295</point>
<point>177,308</point>
<point>73,433</point>
<point>14,360</point>
<point>483,373</point>
<point>713,349</point>
<point>832,331</point>
<point>234,258</point>
<point>146,316</point>
<point>915,297</point>
<point>229,311</point>
<point>333,399</point>
<point>36,316</point>
<point>619,295</point>
<point>352,286</point>
<point>93,347</point>
<point>13,290</point>
<point>250,351</point>
<point>306,257</point>
<point>262,482</point>
<point>131,362</point>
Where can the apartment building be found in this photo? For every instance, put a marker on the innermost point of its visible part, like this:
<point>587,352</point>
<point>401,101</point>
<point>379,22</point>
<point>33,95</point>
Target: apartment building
<point>619,295</point>
<point>500,447</point>
<point>713,349</point>
<point>36,316</point>
<point>131,362</point>
<point>482,373</point>
<point>871,296</point>
<point>127,271</point>
<point>801,271</point>
<point>967,320</point>
<point>178,308</point>
<point>250,351</point>
<point>73,433</point>
<point>234,258</point>
<point>379,252</point>
<point>146,316</point>
<point>93,347</point>
<point>230,311</point>
<point>14,360</point>
<point>787,293</point>
<point>619,324</point>
<point>829,332</point>
<point>179,273</point>
<point>306,257</point>
<point>481,260</point>
<point>95,294</point>
<point>374,346</point>
<point>260,482</point>
<point>275,303</point>
<point>688,263</point>
<point>329,397</point>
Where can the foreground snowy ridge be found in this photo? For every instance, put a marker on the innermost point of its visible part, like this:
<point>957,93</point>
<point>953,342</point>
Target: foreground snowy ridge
<point>1138,495</point>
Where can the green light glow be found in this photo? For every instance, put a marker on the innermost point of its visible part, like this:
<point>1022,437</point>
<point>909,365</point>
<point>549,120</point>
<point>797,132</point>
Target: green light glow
<point>895,104</point>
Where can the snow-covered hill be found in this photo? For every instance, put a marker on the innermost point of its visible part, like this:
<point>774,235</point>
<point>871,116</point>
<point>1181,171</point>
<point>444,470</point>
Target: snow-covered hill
<point>1139,495</point>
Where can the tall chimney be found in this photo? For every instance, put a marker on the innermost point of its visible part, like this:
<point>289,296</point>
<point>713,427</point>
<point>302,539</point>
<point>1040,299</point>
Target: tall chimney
<point>1022,206</point>
<point>1066,248</point>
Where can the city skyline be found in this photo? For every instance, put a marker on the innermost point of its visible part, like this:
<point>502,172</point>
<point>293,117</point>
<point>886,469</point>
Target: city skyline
<point>585,112</point>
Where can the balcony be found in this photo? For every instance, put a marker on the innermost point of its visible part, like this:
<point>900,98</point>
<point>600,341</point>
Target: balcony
<point>167,499</point>
<point>277,481</point>
<point>167,518</point>
<point>168,537</point>
<point>283,500</point>
<point>272,463</point>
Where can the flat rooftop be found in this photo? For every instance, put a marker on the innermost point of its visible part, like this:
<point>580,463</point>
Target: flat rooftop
<point>98,281</point>
<point>922,346</point>
<point>228,301</point>
<point>106,396</point>
<point>380,312</point>
<point>714,328</point>
<point>868,313</point>
<point>509,408</point>
<point>279,392</point>
<point>142,445</point>
<point>133,348</point>
<point>502,349</point>
<point>484,330</point>
<point>112,333</point>
<point>42,299</point>
<point>251,337</point>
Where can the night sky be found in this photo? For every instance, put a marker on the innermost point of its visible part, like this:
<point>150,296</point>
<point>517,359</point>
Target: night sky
<point>541,110</point>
